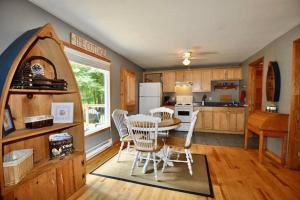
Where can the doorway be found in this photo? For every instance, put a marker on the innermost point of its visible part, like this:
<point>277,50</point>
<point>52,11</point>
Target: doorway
<point>294,131</point>
<point>255,85</point>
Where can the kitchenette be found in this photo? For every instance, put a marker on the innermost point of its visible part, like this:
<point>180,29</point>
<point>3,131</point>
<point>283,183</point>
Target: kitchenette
<point>217,92</point>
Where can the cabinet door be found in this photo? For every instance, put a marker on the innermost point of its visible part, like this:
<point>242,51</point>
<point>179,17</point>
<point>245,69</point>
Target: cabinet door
<point>188,75</point>
<point>65,180</point>
<point>218,74</point>
<point>207,120</point>
<point>42,187</point>
<point>233,74</point>
<point>240,122</point>
<point>169,81</point>
<point>220,120</point>
<point>232,121</point>
<point>196,79</point>
<point>199,122</point>
<point>179,76</point>
<point>206,80</point>
<point>79,171</point>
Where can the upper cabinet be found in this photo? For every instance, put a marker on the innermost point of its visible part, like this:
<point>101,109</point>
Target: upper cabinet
<point>169,79</point>
<point>183,75</point>
<point>220,74</point>
<point>202,80</point>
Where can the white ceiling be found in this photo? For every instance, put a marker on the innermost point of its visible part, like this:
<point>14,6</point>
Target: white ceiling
<point>148,32</point>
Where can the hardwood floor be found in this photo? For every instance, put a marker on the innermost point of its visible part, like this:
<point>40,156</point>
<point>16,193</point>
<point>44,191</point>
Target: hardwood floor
<point>235,172</point>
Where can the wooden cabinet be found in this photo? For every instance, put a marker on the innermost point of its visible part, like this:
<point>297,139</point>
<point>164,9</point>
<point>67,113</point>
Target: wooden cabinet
<point>220,74</point>
<point>41,182</point>
<point>201,80</point>
<point>183,75</point>
<point>220,120</point>
<point>204,119</point>
<point>169,79</point>
<point>42,187</point>
<point>79,171</point>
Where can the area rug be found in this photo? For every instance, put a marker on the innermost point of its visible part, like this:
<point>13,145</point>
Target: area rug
<point>175,178</point>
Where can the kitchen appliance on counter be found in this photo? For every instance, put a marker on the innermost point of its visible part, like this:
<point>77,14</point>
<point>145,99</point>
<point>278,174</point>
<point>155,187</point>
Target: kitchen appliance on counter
<point>150,96</point>
<point>184,111</point>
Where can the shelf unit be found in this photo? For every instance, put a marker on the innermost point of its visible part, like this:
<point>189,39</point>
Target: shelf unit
<point>62,176</point>
<point>24,133</point>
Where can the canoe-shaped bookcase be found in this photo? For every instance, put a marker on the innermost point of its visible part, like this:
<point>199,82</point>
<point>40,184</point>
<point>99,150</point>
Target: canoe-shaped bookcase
<point>44,42</point>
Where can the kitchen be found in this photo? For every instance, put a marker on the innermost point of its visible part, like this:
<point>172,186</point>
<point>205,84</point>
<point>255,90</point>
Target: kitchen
<point>215,92</point>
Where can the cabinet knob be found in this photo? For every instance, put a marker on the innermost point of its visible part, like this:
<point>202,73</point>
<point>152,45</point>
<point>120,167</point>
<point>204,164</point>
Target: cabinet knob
<point>82,162</point>
<point>83,176</point>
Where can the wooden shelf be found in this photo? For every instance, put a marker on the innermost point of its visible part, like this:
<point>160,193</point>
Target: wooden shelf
<point>32,91</point>
<point>42,167</point>
<point>25,133</point>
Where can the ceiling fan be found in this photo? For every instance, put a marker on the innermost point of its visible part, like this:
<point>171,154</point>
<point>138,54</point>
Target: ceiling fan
<point>192,54</point>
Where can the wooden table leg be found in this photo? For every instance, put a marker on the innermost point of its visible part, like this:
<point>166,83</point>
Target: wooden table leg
<point>283,150</point>
<point>246,139</point>
<point>261,147</point>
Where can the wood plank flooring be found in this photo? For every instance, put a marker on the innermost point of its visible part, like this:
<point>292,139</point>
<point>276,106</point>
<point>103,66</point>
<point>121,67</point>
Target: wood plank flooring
<point>235,172</point>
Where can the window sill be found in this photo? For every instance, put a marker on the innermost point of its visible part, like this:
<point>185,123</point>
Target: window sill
<point>99,129</point>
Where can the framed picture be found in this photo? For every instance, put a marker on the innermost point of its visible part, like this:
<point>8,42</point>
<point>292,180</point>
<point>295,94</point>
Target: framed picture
<point>62,112</point>
<point>8,123</point>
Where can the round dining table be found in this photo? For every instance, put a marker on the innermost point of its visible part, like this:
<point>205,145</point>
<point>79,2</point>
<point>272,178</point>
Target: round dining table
<point>168,124</point>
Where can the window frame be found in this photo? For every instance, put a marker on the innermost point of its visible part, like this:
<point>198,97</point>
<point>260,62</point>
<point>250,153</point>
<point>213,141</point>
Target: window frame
<point>107,80</point>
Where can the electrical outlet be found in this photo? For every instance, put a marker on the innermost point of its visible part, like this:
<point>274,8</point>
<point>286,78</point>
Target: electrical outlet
<point>209,98</point>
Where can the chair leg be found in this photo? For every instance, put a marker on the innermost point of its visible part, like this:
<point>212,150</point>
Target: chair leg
<point>120,150</point>
<point>146,163</point>
<point>134,162</point>
<point>188,161</point>
<point>166,160</point>
<point>155,167</point>
<point>128,146</point>
<point>190,156</point>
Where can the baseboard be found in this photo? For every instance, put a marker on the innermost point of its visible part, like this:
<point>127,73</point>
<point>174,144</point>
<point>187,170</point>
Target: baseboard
<point>98,149</point>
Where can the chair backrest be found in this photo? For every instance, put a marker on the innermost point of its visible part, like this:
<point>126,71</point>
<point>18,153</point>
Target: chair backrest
<point>119,119</point>
<point>143,130</point>
<point>162,112</point>
<point>188,140</point>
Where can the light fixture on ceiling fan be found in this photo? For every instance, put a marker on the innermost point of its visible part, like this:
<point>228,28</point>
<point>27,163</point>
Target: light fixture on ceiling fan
<point>186,58</point>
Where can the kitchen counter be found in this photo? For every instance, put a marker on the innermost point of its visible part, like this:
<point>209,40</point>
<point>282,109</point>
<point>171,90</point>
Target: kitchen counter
<point>218,104</point>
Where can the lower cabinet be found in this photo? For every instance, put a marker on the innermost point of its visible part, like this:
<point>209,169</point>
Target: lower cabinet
<point>42,187</point>
<point>60,182</point>
<point>220,120</point>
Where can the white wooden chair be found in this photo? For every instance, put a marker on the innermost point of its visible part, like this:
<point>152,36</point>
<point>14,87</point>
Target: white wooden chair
<point>119,119</point>
<point>184,148</point>
<point>143,130</point>
<point>163,113</point>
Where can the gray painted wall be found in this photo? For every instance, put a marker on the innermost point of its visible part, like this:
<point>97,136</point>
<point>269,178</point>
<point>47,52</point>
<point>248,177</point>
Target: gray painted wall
<point>18,16</point>
<point>279,50</point>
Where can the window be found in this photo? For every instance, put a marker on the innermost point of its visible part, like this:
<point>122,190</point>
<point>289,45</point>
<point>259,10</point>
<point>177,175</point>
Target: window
<point>92,77</point>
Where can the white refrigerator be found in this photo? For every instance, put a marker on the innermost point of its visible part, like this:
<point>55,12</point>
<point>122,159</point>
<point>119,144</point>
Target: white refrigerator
<point>150,96</point>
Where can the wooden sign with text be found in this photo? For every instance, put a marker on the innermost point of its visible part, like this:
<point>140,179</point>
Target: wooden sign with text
<point>86,45</point>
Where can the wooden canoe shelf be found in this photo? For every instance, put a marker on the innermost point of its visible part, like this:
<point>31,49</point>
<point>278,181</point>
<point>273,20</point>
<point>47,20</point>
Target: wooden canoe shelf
<point>40,168</point>
<point>26,91</point>
<point>25,133</point>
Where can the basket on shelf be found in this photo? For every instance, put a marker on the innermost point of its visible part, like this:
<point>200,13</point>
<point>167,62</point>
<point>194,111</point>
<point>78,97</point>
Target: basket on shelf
<point>16,165</point>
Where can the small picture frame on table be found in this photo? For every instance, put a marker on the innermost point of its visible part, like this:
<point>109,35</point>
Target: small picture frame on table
<point>62,112</point>
<point>8,122</point>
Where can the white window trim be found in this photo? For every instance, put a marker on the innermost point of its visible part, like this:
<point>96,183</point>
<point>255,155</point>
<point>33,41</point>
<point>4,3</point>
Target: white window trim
<point>82,58</point>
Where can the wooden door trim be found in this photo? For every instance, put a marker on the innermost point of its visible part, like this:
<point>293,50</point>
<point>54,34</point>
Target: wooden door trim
<point>251,67</point>
<point>293,141</point>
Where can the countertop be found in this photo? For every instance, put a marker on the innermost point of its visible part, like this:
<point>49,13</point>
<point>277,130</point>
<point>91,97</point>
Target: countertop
<point>215,104</point>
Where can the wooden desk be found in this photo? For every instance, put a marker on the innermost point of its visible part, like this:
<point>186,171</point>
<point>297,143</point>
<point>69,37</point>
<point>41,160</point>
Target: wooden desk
<point>266,124</point>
